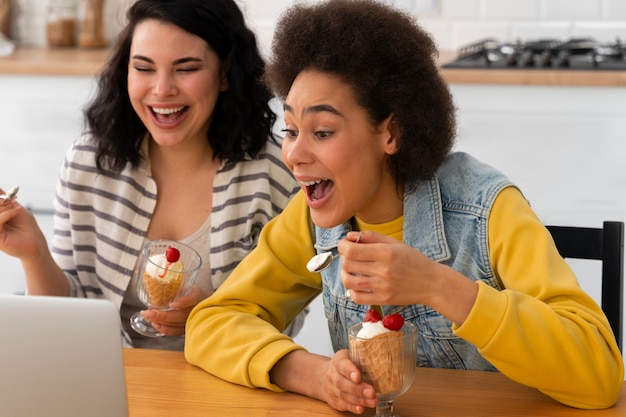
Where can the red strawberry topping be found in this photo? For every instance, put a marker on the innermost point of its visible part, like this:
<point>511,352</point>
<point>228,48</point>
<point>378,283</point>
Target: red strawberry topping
<point>372,315</point>
<point>172,254</point>
<point>393,321</point>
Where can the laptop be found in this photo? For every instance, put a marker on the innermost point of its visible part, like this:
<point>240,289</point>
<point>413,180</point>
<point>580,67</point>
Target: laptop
<point>60,357</point>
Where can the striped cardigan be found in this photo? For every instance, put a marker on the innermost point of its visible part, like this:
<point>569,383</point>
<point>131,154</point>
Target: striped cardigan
<point>101,219</point>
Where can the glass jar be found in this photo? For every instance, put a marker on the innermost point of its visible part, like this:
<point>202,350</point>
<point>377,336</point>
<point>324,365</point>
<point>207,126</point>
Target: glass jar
<point>91,24</point>
<point>61,23</point>
<point>5,18</point>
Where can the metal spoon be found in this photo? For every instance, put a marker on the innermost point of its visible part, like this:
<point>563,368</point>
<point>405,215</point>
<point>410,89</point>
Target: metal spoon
<point>320,262</point>
<point>10,195</point>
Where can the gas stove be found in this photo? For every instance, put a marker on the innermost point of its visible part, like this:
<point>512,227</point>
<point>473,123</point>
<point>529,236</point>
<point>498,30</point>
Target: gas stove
<point>572,54</point>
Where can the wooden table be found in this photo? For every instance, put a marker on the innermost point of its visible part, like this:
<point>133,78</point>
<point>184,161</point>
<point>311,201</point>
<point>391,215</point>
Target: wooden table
<point>162,383</point>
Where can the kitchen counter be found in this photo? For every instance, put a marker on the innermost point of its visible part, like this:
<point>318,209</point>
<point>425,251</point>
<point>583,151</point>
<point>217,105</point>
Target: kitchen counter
<point>548,77</point>
<point>86,62</point>
<point>62,61</point>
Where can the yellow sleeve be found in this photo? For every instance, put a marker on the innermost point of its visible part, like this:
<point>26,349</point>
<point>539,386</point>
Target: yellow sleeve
<point>542,329</point>
<point>235,334</point>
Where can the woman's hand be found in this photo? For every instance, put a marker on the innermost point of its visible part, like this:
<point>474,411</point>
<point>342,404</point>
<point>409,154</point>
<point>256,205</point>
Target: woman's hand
<point>172,323</point>
<point>343,388</point>
<point>336,380</point>
<point>20,235</point>
<point>382,270</point>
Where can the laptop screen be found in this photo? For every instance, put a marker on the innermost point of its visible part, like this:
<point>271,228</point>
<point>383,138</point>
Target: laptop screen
<point>60,357</point>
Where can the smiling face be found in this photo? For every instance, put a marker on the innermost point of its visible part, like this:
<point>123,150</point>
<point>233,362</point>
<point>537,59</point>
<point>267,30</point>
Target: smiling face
<point>174,80</point>
<point>336,153</point>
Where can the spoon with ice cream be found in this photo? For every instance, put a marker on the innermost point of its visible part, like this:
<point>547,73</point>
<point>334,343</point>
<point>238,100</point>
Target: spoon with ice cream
<point>321,261</point>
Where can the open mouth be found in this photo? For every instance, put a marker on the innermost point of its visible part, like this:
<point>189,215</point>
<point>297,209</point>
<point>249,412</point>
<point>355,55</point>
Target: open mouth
<point>318,189</point>
<point>169,115</point>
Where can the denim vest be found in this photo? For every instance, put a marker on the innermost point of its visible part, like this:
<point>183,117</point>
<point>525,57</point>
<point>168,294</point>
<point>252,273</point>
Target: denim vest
<point>445,218</point>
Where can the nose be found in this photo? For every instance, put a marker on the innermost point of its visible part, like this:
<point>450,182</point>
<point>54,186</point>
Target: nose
<point>296,151</point>
<point>164,85</point>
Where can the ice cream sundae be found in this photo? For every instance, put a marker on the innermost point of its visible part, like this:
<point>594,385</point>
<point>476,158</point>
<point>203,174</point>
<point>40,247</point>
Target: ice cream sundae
<point>379,346</point>
<point>162,276</point>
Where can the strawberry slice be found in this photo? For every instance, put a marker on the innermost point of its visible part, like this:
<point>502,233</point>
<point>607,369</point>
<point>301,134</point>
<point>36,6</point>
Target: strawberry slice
<point>172,254</point>
<point>372,315</point>
<point>393,321</point>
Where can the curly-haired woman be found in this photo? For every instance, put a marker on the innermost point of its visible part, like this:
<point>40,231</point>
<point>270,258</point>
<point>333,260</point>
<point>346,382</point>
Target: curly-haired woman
<point>369,129</point>
<point>178,146</point>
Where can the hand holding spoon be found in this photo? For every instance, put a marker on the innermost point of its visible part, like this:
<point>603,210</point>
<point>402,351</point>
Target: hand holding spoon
<point>321,261</point>
<point>10,195</point>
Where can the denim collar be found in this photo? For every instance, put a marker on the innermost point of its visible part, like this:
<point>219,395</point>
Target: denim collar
<point>425,200</point>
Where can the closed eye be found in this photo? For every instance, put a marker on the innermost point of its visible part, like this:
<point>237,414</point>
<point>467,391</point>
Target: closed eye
<point>142,69</point>
<point>187,69</point>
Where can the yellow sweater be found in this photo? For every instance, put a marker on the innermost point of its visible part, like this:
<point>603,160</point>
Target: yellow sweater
<point>542,330</point>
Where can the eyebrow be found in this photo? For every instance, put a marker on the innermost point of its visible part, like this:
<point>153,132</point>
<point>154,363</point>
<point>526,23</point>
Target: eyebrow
<point>176,62</point>
<point>319,108</point>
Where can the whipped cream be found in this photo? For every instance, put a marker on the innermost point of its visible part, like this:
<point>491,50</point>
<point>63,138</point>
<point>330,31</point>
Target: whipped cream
<point>159,268</point>
<point>371,329</point>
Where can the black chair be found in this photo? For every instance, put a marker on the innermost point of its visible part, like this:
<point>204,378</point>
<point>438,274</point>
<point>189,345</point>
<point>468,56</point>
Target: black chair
<point>605,244</point>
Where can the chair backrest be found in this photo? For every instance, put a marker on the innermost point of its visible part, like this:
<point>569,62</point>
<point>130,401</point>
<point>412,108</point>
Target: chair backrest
<point>607,245</point>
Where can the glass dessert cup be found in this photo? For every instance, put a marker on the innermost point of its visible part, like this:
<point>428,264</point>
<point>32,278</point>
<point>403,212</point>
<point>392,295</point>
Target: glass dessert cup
<point>387,363</point>
<point>158,295</point>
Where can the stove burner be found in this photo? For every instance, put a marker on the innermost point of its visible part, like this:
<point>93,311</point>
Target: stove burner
<point>578,53</point>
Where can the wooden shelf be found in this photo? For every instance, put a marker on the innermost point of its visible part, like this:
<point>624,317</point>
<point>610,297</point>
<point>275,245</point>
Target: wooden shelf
<point>62,61</point>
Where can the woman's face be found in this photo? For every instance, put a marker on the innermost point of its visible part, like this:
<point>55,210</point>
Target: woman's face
<point>336,154</point>
<point>174,79</point>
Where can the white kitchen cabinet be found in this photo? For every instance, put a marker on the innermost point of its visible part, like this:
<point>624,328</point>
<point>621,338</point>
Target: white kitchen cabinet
<point>565,147</point>
<point>40,116</point>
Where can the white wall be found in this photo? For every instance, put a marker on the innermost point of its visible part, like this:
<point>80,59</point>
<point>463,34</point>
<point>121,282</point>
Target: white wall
<point>452,22</point>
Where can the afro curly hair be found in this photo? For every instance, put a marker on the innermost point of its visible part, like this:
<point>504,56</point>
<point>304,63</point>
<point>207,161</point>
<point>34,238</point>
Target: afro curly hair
<point>389,61</point>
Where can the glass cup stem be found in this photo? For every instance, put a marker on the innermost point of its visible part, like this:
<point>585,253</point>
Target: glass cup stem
<point>143,326</point>
<point>384,409</point>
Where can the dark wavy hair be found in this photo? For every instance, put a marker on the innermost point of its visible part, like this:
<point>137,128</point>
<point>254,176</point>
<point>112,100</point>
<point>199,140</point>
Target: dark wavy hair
<point>390,64</point>
<point>242,119</point>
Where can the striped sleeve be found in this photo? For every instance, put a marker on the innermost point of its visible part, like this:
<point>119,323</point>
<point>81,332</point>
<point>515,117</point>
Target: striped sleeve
<point>100,222</point>
<point>246,196</point>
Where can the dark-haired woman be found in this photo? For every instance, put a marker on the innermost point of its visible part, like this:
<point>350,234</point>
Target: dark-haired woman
<point>369,128</point>
<point>178,146</point>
